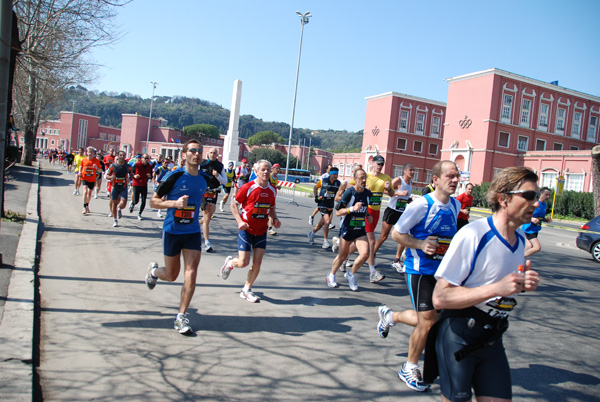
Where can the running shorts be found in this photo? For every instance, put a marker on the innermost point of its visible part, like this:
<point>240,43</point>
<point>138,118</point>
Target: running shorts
<point>370,227</point>
<point>89,184</point>
<point>391,216</point>
<point>530,236</point>
<point>485,370</point>
<point>209,198</point>
<point>247,241</point>
<point>174,243</point>
<point>118,192</point>
<point>325,210</point>
<point>420,288</point>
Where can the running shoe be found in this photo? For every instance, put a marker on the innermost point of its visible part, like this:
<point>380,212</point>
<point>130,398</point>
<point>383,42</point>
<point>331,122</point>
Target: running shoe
<point>131,207</point>
<point>226,268</point>
<point>140,217</point>
<point>383,327</point>
<point>251,297</point>
<point>115,223</point>
<point>182,324</point>
<point>343,266</point>
<point>110,214</point>
<point>351,281</point>
<point>272,231</point>
<point>96,196</point>
<point>331,281</point>
<point>335,244</point>
<point>326,244</point>
<point>412,378</point>
<point>311,220</point>
<point>311,237</point>
<point>158,214</point>
<point>221,206</point>
<point>331,226</point>
<point>398,266</point>
<point>119,214</point>
<point>75,192</point>
<point>376,276</point>
<point>150,280</point>
<point>208,247</point>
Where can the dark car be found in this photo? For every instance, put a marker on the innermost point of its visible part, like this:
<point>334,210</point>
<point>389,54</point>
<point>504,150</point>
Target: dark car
<point>590,241</point>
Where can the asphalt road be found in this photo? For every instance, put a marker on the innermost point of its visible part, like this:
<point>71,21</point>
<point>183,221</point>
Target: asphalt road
<point>105,336</point>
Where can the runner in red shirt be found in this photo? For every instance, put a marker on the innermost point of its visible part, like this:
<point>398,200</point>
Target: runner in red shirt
<point>142,172</point>
<point>466,202</point>
<point>108,160</point>
<point>256,200</point>
<point>87,170</point>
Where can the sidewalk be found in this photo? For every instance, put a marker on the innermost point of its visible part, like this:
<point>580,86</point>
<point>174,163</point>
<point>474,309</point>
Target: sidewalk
<point>18,246</point>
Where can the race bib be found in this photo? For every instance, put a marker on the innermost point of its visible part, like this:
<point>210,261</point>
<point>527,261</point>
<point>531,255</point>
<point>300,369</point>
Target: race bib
<point>400,205</point>
<point>119,180</point>
<point>261,210</point>
<point>357,223</point>
<point>442,248</point>
<point>375,199</point>
<point>329,194</point>
<point>185,215</point>
<point>501,306</point>
<point>89,172</point>
<point>210,195</point>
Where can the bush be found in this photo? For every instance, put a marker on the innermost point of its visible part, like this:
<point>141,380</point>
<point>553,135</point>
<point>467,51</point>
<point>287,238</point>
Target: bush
<point>480,195</point>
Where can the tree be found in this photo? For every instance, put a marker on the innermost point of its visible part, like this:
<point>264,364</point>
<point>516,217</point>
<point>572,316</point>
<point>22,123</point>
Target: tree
<point>264,138</point>
<point>270,154</point>
<point>55,38</point>
<point>201,132</point>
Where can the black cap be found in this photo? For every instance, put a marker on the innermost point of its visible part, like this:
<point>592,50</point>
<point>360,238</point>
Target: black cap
<point>378,159</point>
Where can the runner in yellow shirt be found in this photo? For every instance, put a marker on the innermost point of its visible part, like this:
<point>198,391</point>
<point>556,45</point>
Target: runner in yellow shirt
<point>77,162</point>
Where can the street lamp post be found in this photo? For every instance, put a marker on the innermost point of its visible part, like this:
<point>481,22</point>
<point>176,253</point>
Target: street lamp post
<point>303,21</point>
<point>150,119</point>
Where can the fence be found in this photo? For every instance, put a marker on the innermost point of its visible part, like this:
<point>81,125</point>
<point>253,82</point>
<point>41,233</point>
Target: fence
<point>287,191</point>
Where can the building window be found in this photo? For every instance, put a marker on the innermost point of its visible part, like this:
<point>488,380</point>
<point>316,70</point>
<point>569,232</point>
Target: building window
<point>574,182</point>
<point>543,123</point>
<point>503,139</point>
<point>341,168</point>
<point>507,107</point>
<point>576,125</point>
<point>212,140</point>
<point>51,142</point>
<point>153,151</point>
<point>435,126</point>
<point>348,170</point>
<point>420,123</point>
<point>523,143</point>
<point>591,134</point>
<point>525,112</point>
<point>574,148</point>
<point>549,179</point>
<point>557,146</point>
<point>245,153</point>
<point>416,175</point>
<point>397,170</point>
<point>433,149</point>
<point>403,120</point>
<point>418,147</point>
<point>496,171</point>
<point>428,176</point>
<point>560,120</point>
<point>103,136</point>
<point>401,144</point>
<point>540,145</point>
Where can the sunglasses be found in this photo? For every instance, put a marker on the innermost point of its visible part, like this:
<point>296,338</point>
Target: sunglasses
<point>529,195</point>
<point>194,150</point>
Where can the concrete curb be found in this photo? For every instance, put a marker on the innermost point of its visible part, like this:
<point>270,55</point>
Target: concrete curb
<point>16,328</point>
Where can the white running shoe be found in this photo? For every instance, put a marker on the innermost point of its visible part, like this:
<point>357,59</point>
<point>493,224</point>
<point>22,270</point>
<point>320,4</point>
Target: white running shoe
<point>251,297</point>
<point>326,244</point>
<point>110,214</point>
<point>272,231</point>
<point>140,218</point>
<point>351,281</point>
<point>398,266</point>
<point>311,220</point>
<point>119,213</point>
<point>376,276</point>
<point>150,280</point>
<point>226,268</point>
<point>331,226</point>
<point>335,244</point>
<point>182,324</point>
<point>311,237</point>
<point>96,196</point>
<point>115,223</point>
<point>221,206</point>
<point>207,246</point>
<point>158,214</point>
<point>331,281</point>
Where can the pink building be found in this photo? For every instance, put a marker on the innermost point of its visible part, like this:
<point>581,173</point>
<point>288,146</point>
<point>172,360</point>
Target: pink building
<point>497,119</point>
<point>403,129</point>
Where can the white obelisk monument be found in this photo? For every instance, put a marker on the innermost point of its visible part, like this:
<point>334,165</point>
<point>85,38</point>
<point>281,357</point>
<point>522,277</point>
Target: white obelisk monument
<point>231,148</point>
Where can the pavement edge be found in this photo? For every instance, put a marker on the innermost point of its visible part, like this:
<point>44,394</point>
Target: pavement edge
<point>17,325</point>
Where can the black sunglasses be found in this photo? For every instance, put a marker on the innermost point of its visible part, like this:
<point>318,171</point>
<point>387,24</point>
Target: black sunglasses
<point>529,195</point>
<point>194,150</point>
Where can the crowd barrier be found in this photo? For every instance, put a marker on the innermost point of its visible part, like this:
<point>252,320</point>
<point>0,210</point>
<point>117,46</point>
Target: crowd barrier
<point>287,191</point>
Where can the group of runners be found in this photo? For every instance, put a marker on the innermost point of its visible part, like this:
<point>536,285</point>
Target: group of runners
<point>463,279</point>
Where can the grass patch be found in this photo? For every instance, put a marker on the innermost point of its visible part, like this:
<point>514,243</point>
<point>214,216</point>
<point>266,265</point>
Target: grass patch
<point>11,216</point>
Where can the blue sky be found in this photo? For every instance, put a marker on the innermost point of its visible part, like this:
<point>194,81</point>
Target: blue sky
<point>351,50</point>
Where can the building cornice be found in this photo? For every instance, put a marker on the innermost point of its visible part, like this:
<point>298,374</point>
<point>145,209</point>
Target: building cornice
<point>528,80</point>
<point>405,96</point>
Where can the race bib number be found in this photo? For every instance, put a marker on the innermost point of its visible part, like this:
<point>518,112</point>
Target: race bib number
<point>261,210</point>
<point>89,172</point>
<point>357,223</point>
<point>375,199</point>
<point>442,248</point>
<point>210,195</point>
<point>329,194</point>
<point>186,215</point>
<point>501,306</point>
<point>119,180</point>
<point>400,205</point>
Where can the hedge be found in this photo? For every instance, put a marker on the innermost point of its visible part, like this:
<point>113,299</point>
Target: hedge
<point>570,203</point>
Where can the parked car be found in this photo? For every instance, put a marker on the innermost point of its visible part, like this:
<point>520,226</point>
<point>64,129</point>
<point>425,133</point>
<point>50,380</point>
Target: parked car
<point>590,241</point>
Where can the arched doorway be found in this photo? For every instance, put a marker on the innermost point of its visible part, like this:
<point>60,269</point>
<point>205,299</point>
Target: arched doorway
<point>460,162</point>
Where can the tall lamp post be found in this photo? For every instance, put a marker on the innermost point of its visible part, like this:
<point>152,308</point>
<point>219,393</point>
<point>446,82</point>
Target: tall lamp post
<point>150,119</point>
<point>303,21</point>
